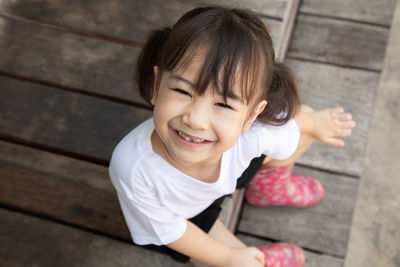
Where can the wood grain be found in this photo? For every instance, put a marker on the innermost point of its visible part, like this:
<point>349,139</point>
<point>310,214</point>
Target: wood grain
<point>286,30</point>
<point>324,228</point>
<point>323,86</point>
<point>85,64</point>
<point>56,119</point>
<point>64,59</point>
<point>377,12</point>
<point>339,42</point>
<point>62,188</point>
<point>32,241</point>
<point>125,19</point>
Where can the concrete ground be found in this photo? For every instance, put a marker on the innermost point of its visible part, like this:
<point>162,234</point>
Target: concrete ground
<point>375,232</point>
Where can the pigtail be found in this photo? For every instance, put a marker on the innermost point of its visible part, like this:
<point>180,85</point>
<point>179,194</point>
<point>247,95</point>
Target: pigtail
<point>282,96</point>
<point>147,59</point>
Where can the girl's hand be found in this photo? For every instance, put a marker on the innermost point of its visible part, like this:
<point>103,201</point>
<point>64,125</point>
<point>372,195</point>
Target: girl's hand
<point>246,257</point>
<point>331,123</point>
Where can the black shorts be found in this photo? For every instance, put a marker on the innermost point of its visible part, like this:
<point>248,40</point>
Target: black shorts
<point>206,219</point>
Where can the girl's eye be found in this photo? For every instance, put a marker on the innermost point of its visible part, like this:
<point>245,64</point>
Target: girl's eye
<point>224,105</point>
<point>180,91</point>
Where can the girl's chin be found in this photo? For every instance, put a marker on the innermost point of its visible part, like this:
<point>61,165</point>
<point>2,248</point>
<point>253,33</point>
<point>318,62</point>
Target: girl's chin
<point>188,158</point>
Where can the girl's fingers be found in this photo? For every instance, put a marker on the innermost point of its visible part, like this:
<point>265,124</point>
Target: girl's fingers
<point>334,142</point>
<point>345,117</point>
<point>260,257</point>
<point>343,132</point>
<point>337,110</point>
<point>347,124</point>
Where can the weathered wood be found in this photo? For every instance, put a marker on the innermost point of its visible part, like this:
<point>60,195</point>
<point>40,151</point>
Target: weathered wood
<point>324,86</point>
<point>30,241</point>
<point>69,60</point>
<point>231,208</point>
<point>73,123</point>
<point>274,27</point>
<point>61,188</point>
<point>286,30</point>
<point>377,12</point>
<point>339,42</point>
<point>77,62</point>
<point>124,19</point>
<point>312,259</point>
<point>324,227</point>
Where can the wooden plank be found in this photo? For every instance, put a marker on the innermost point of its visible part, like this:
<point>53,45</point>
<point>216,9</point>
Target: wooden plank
<point>339,42</point>
<point>76,62</point>
<point>61,188</point>
<point>74,123</point>
<point>324,86</point>
<point>231,208</point>
<point>376,12</point>
<point>274,27</point>
<point>30,241</point>
<point>286,30</point>
<point>324,227</point>
<point>113,17</point>
<point>312,259</point>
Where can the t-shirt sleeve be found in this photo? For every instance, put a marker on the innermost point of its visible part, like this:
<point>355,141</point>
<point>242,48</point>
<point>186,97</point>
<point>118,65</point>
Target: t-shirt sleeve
<point>150,222</point>
<point>278,142</point>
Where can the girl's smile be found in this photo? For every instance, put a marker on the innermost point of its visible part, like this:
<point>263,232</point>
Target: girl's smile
<point>190,140</point>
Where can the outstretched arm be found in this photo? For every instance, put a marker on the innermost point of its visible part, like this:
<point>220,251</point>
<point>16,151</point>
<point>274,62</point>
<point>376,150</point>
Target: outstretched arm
<point>200,246</point>
<point>327,126</point>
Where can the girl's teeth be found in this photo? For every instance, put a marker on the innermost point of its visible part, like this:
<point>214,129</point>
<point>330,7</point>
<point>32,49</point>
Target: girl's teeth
<point>190,139</point>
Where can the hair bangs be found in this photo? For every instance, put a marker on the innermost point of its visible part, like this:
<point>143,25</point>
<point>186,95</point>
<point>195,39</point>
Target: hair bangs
<point>232,57</point>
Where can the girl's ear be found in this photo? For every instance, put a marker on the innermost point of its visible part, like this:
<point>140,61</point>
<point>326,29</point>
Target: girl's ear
<point>155,85</point>
<point>253,115</point>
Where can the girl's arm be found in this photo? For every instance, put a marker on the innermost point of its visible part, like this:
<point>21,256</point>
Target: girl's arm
<point>325,126</point>
<point>200,246</point>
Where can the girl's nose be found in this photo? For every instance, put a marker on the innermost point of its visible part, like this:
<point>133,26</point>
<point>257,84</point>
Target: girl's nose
<point>196,116</point>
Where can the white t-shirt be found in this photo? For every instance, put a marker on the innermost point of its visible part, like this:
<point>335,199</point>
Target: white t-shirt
<point>157,199</point>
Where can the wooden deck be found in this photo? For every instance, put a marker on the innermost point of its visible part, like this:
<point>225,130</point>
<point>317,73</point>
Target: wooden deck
<point>66,99</point>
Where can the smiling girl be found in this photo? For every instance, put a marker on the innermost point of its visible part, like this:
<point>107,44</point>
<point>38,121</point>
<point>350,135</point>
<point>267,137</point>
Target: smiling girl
<point>224,112</point>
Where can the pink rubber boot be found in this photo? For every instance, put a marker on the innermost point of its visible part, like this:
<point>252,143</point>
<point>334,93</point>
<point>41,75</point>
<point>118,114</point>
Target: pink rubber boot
<point>283,255</point>
<point>276,186</point>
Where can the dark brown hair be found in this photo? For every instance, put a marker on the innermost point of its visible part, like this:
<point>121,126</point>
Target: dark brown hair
<point>236,42</point>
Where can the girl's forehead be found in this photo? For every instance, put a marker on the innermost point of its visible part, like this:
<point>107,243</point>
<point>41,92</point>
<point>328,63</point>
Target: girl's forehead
<point>190,70</point>
<point>190,67</point>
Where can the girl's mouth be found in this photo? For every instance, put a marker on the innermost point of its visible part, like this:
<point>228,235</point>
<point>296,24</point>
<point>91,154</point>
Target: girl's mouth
<point>191,138</point>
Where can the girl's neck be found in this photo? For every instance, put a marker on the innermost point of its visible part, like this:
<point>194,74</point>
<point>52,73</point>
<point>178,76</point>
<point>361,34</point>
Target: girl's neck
<point>204,171</point>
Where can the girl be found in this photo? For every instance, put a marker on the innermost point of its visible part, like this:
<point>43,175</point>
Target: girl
<point>220,102</point>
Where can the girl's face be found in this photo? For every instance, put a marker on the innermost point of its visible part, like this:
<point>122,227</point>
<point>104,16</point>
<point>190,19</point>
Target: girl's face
<point>193,128</point>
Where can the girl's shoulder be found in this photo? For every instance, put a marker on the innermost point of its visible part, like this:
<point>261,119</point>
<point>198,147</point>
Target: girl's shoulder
<point>288,128</point>
<point>276,141</point>
<point>131,150</point>
<point>137,140</point>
